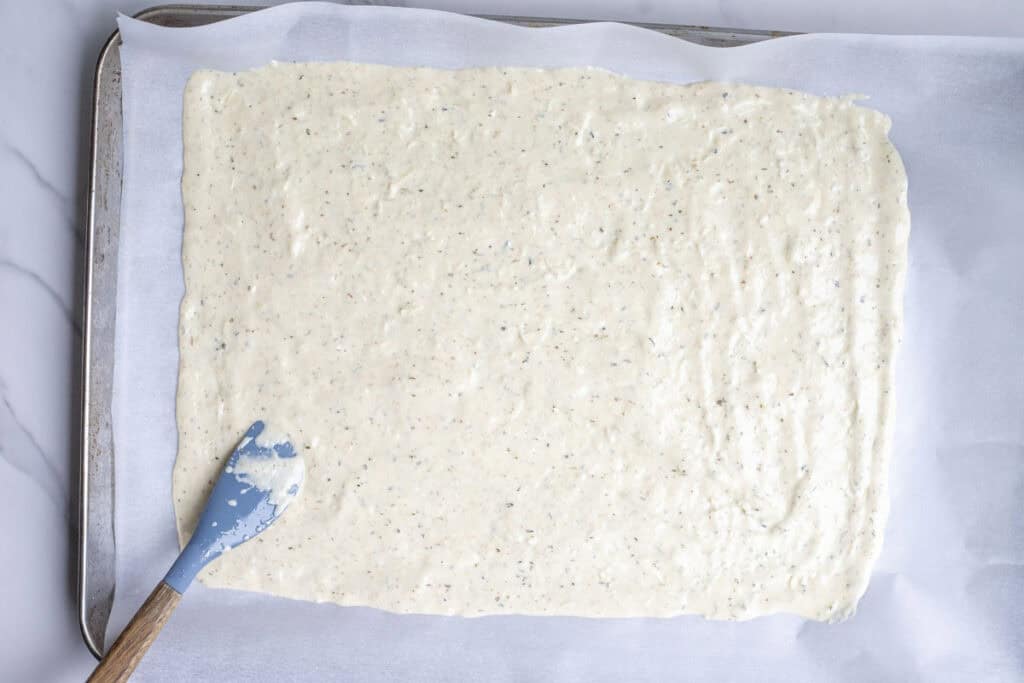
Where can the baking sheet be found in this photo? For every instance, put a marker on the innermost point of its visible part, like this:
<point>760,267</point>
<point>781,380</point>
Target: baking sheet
<point>944,603</point>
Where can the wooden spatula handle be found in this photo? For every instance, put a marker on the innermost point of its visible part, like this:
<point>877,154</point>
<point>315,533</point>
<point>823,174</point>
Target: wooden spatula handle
<point>129,648</point>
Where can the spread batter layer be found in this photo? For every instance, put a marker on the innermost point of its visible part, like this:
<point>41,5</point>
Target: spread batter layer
<point>551,341</point>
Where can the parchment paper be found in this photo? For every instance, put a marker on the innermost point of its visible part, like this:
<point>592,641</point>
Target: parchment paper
<point>945,601</point>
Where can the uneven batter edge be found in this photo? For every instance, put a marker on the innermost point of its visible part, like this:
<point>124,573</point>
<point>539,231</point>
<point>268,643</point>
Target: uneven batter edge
<point>551,341</point>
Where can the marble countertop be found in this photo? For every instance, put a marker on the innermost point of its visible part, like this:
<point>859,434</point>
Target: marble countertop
<point>49,50</point>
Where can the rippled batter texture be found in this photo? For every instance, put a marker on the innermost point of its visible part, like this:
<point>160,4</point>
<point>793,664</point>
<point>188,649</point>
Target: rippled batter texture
<point>552,342</point>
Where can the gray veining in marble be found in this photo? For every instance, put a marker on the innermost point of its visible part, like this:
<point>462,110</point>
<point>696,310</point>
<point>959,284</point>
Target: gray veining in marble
<point>21,450</point>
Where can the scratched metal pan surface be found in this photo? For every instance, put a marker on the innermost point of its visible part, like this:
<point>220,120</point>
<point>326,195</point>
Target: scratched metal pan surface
<point>96,549</point>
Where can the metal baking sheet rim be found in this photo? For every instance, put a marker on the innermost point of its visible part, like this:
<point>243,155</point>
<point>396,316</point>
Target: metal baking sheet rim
<point>96,542</point>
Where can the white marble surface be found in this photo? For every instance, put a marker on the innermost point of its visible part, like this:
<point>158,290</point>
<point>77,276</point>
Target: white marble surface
<point>48,50</point>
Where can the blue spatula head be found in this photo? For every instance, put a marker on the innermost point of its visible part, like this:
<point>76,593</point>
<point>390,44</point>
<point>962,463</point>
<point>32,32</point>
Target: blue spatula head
<point>259,480</point>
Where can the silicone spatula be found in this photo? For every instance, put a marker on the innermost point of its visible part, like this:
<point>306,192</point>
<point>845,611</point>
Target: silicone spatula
<point>259,480</point>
